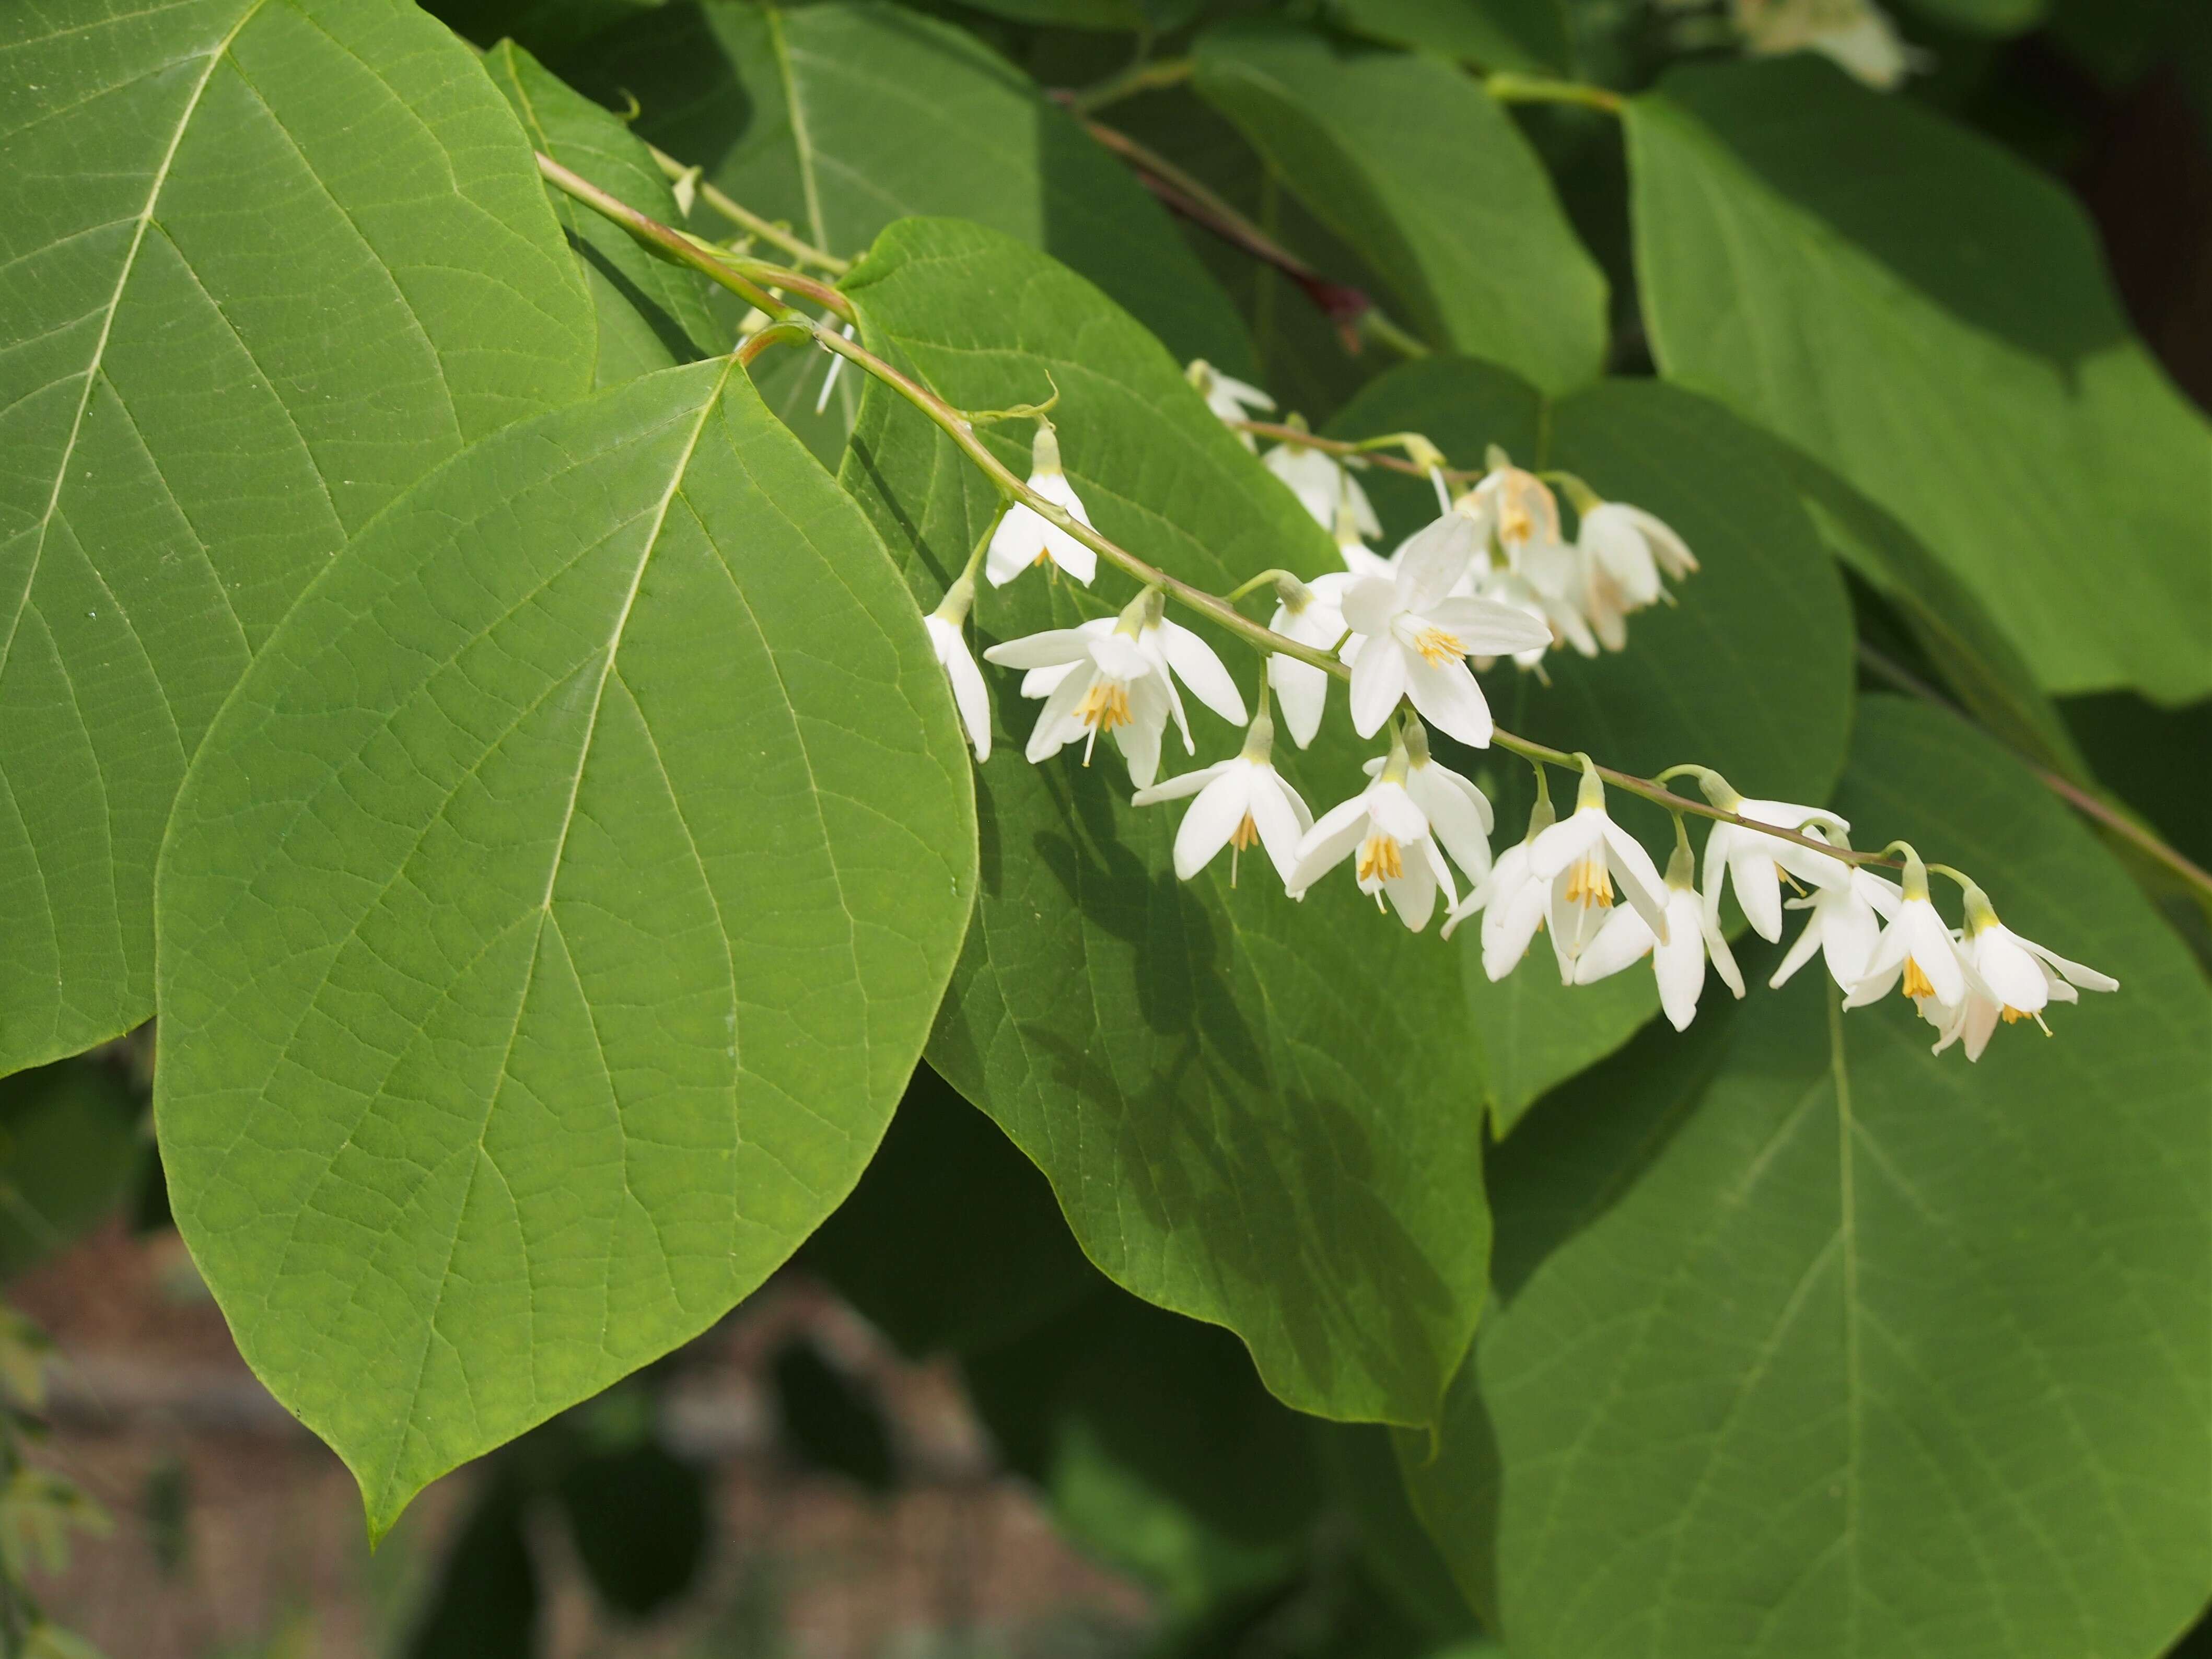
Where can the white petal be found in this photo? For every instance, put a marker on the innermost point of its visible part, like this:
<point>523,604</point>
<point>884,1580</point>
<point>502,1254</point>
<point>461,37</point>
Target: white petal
<point>1183,783</point>
<point>1281,819</point>
<point>1213,818</point>
<point>1672,552</point>
<point>1056,721</point>
<point>1455,819</point>
<point>1929,942</point>
<point>1488,629</point>
<point>1301,693</point>
<point>2087,978</point>
<point>1446,695</point>
<point>1414,893</point>
<point>2014,976</point>
<point>1369,605</point>
<point>1638,877</point>
<point>1849,934</point>
<point>970,695</point>
<point>1800,952</point>
<point>1620,943</point>
<point>1014,544</point>
<point>1716,947</point>
<point>1329,843</point>
<point>1049,649</point>
<point>1564,842</point>
<point>1140,740</point>
<point>1679,966</point>
<point>1192,659</point>
<point>1882,969</point>
<point>1758,886</point>
<point>1378,680</point>
<point>1433,559</point>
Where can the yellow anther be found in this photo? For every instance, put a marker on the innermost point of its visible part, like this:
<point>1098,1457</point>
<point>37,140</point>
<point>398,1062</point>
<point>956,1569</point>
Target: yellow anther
<point>1916,982</point>
<point>1588,882</point>
<point>1438,648</point>
<point>1379,858</point>
<point>1244,834</point>
<point>1105,705</point>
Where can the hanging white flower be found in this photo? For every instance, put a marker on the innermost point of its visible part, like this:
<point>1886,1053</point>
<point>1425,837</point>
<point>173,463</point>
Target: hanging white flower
<point>1631,547</point>
<point>948,638</point>
<point>1844,925</point>
<point>1240,801</point>
<point>2018,979</point>
<point>1173,650</point>
<point>1856,34</point>
<point>1230,399</point>
<point>1754,863</point>
<point>1111,684</point>
<point>1918,946</point>
<point>1517,507</point>
<point>1026,538</point>
<point>1678,962</point>
<point>1411,640</point>
<point>1324,486</point>
<point>1311,613</point>
<point>1459,814</point>
<point>1397,854</point>
<point>1581,856</point>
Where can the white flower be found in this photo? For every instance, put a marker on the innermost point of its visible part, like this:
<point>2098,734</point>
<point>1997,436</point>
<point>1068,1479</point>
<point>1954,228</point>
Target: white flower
<point>1458,813</point>
<point>1026,536</point>
<point>1581,856</point>
<point>1755,863</point>
<point>1918,945</point>
<point>1517,507</point>
<point>1679,963</point>
<point>1397,854</point>
<point>1513,902</point>
<point>1240,801</point>
<point>1324,486</point>
<point>950,640</point>
<point>2018,978</point>
<point>1312,614</point>
<point>1855,34</point>
<point>1111,684</point>
<point>1173,650</point>
<point>1632,547</point>
<point>1229,399</point>
<point>1843,926</point>
<point>1411,640</point>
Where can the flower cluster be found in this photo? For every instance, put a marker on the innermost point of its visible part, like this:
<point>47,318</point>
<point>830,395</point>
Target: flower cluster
<point>1490,577</point>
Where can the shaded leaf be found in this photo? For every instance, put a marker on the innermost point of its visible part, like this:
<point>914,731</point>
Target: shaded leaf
<point>553,922</point>
<point>952,1239</point>
<point>1251,1111</point>
<point>1491,35</point>
<point>70,1144</point>
<point>1811,1342</point>
<point>262,265</point>
<point>638,1518</point>
<point>486,1601</point>
<point>652,313</point>
<point>1930,318</point>
<point>829,1419</point>
<point>1427,177</point>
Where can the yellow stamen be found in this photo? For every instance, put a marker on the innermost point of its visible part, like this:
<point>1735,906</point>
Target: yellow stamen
<point>1916,982</point>
<point>1244,834</point>
<point>1514,524</point>
<point>1105,705</point>
<point>2012,1016</point>
<point>1379,858</point>
<point>1438,648</point>
<point>1794,885</point>
<point>1588,882</point>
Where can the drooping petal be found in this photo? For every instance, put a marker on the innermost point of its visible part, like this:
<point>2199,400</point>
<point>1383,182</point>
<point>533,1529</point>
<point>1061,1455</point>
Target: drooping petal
<point>1800,950</point>
<point>970,695</point>
<point>1378,680</point>
<point>1446,696</point>
<point>1015,544</point>
<point>1213,818</point>
<point>1301,693</point>
<point>1281,816</point>
<point>2016,977</point>
<point>1848,933</point>
<point>1715,946</point>
<point>1056,722</point>
<point>1680,964</point>
<point>1929,942</point>
<point>1328,843</point>
<point>1882,968</point>
<point>1140,740</point>
<point>1564,842</point>
<point>2075,973</point>
<point>1672,552</point>
<point>1457,815</point>
<point>1182,784</point>
<point>1621,941</point>
<point>1638,877</point>
<point>1049,649</point>
<point>1209,681</point>
<point>1369,605</point>
<point>1413,894</point>
<point>1758,884</point>
<point>1080,563</point>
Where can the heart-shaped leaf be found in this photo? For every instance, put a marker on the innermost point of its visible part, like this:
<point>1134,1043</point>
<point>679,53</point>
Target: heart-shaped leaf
<point>552,921</point>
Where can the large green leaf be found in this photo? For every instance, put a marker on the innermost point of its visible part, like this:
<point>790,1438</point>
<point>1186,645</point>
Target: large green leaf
<point>1750,672</point>
<point>841,118</point>
<point>551,921</point>
<point>262,264</point>
<point>1812,1343</point>
<point>651,312</point>
<point>70,1139</point>
<point>1930,318</point>
<point>1416,167</point>
<point>1252,1111</point>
